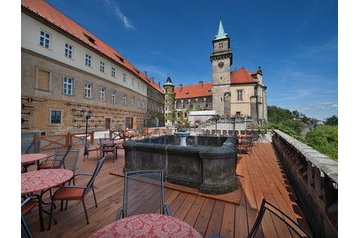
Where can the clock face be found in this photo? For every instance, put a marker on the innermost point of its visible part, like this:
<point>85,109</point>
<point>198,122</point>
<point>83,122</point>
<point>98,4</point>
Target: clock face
<point>221,64</point>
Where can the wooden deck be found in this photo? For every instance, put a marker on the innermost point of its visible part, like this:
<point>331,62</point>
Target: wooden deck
<point>229,215</point>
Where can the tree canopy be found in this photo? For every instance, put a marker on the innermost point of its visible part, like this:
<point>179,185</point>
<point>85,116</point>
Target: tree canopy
<point>322,138</point>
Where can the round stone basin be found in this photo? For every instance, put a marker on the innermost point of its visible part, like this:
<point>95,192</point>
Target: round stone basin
<point>206,163</point>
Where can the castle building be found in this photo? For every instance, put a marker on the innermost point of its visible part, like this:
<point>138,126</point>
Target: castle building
<point>230,93</point>
<point>66,71</point>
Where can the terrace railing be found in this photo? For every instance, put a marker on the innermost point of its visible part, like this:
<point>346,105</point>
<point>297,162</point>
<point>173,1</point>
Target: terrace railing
<point>314,177</point>
<point>60,141</point>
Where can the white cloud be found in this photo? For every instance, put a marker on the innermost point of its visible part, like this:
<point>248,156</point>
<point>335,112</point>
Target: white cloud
<point>118,12</point>
<point>127,23</point>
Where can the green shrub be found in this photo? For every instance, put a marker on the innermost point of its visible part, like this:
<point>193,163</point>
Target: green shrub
<point>325,140</point>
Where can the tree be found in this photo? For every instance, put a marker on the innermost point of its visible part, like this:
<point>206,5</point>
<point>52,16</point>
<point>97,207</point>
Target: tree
<point>332,121</point>
<point>295,114</point>
<point>277,114</point>
<point>325,140</point>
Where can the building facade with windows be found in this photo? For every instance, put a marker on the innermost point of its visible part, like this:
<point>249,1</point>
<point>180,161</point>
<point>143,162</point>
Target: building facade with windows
<point>65,69</point>
<point>231,93</point>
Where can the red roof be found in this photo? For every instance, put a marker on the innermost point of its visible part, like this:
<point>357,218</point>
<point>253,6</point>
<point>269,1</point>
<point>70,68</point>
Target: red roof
<point>241,76</point>
<point>55,17</point>
<point>194,91</point>
<point>205,90</point>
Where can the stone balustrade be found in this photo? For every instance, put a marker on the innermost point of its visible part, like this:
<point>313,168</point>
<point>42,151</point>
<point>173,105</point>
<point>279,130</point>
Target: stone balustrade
<point>314,178</point>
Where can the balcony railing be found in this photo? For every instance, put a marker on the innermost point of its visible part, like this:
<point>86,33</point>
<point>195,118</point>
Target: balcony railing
<point>314,177</point>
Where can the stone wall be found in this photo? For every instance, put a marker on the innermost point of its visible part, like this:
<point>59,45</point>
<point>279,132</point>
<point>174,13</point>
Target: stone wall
<point>36,104</point>
<point>314,177</point>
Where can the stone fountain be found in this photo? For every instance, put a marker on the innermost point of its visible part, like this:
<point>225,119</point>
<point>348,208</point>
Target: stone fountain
<point>207,163</point>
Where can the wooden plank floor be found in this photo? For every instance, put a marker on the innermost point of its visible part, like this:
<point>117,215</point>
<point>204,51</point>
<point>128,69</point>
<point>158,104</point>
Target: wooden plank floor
<point>230,215</point>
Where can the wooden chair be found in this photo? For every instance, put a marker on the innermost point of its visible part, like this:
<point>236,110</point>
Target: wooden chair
<point>278,223</point>
<point>69,192</point>
<point>55,161</point>
<point>143,193</point>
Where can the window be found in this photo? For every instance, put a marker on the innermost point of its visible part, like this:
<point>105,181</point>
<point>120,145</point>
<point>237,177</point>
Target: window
<point>129,122</point>
<point>239,94</point>
<point>120,58</point>
<point>55,117</point>
<point>124,100</point>
<point>114,97</point>
<point>45,39</point>
<point>43,79</point>
<point>221,45</point>
<point>102,94</point>
<point>113,72</point>
<point>88,60</point>
<point>124,77</point>
<point>90,39</point>
<point>101,67</point>
<point>67,86</point>
<point>88,90</point>
<point>68,50</point>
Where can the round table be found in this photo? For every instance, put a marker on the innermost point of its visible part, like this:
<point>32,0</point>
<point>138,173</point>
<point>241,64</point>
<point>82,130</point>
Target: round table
<point>28,158</point>
<point>41,180</point>
<point>36,181</point>
<point>147,225</point>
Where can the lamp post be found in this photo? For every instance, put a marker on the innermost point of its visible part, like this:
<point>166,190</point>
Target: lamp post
<point>147,117</point>
<point>86,115</point>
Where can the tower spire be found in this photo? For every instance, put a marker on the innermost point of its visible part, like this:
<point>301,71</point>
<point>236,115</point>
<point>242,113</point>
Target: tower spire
<point>221,33</point>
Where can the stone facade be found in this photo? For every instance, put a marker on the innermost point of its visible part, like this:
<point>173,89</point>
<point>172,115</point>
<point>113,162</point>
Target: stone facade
<point>57,89</point>
<point>37,104</point>
<point>169,102</point>
<point>221,60</point>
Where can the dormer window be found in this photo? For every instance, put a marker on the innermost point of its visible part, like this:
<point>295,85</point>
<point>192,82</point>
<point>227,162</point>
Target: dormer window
<point>90,39</point>
<point>209,91</point>
<point>120,58</point>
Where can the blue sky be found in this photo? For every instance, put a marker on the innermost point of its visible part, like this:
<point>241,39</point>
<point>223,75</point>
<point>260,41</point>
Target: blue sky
<point>295,42</point>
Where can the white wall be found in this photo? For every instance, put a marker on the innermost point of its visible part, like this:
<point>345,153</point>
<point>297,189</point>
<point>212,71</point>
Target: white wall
<point>30,39</point>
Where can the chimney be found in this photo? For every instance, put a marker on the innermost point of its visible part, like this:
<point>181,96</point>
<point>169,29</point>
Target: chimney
<point>159,84</point>
<point>180,87</point>
<point>201,84</point>
<point>146,74</point>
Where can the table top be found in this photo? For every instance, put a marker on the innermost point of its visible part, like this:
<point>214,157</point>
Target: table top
<point>36,181</point>
<point>147,225</point>
<point>26,158</point>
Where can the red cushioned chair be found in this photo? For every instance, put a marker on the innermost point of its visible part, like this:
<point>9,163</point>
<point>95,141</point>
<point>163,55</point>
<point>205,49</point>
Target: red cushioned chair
<point>69,192</point>
<point>57,160</point>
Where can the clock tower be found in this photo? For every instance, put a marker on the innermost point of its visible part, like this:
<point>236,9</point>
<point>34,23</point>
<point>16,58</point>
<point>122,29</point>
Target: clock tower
<point>221,60</point>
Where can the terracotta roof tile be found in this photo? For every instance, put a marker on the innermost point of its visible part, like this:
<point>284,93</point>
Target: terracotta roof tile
<point>193,91</point>
<point>241,76</point>
<point>55,17</point>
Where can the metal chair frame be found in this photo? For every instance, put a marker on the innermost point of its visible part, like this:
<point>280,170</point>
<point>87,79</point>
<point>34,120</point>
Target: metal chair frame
<point>86,189</point>
<point>164,209</point>
<point>265,205</point>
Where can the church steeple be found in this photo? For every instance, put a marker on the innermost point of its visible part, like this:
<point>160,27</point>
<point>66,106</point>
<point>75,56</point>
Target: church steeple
<point>221,33</point>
